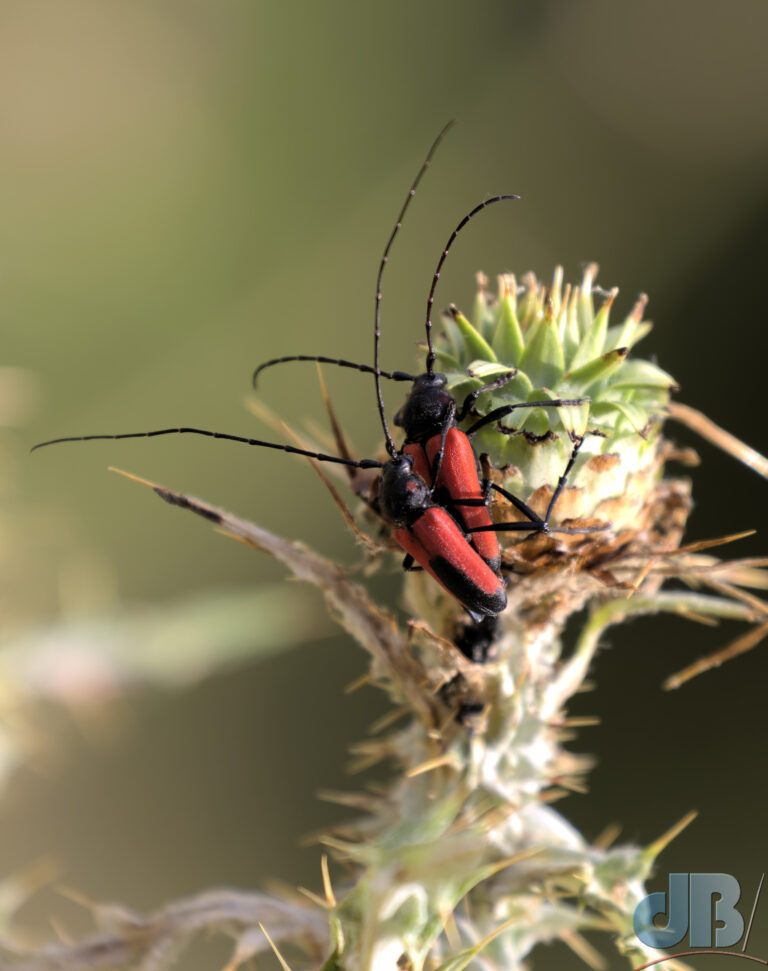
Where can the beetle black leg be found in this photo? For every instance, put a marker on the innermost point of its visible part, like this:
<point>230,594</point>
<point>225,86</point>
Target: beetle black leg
<point>516,527</point>
<point>561,482</point>
<point>522,507</point>
<point>408,566</point>
<point>538,524</point>
<point>498,413</point>
<point>469,402</point>
<point>474,616</point>
<point>485,485</point>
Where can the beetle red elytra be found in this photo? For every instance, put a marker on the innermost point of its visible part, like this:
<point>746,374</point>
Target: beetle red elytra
<point>455,545</point>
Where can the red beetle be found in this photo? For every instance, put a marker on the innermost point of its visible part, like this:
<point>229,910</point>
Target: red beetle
<point>442,454</point>
<point>453,541</point>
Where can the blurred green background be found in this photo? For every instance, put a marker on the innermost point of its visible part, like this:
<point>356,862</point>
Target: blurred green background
<point>191,187</point>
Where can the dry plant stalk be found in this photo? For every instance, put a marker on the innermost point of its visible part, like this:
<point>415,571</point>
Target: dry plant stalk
<point>464,861</point>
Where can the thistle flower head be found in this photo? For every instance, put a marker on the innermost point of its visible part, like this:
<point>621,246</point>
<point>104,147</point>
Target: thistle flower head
<point>562,347</point>
<point>556,343</point>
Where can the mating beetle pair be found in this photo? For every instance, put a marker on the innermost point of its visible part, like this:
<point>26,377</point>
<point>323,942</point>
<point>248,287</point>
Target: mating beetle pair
<point>429,491</point>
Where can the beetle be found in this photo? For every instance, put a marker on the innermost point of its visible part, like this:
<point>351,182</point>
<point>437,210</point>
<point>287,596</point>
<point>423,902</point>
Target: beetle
<point>442,453</point>
<point>456,545</point>
<point>423,528</point>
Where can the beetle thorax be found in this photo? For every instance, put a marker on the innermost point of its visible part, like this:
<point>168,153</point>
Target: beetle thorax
<point>426,409</point>
<point>403,495</point>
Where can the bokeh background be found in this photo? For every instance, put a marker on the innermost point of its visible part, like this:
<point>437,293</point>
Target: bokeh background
<point>191,187</point>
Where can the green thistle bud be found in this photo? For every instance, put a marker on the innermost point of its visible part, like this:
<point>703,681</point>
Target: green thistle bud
<point>561,347</point>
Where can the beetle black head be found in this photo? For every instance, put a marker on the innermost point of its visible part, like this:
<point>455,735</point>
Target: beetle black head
<point>403,494</point>
<point>426,408</point>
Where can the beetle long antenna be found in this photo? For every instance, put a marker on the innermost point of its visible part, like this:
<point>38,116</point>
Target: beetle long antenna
<point>362,464</point>
<point>319,359</point>
<point>431,299</point>
<point>385,257</point>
